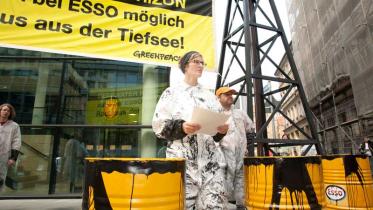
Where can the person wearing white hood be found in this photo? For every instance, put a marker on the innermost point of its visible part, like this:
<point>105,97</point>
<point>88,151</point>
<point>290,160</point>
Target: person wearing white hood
<point>205,163</point>
<point>10,140</point>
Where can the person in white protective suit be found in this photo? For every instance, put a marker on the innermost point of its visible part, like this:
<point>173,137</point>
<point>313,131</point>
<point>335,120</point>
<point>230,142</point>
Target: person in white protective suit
<point>205,162</point>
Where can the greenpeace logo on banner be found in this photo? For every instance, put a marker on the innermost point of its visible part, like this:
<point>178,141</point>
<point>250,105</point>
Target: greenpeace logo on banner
<point>147,31</point>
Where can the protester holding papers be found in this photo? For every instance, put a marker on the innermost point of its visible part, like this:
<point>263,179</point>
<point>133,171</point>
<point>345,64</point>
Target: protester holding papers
<point>234,145</point>
<point>205,161</point>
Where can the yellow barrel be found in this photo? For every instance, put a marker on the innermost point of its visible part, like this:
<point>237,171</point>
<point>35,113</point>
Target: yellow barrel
<point>283,183</point>
<point>347,182</point>
<point>133,183</point>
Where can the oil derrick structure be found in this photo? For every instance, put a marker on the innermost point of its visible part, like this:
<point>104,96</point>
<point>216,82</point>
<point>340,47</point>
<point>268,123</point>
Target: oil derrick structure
<point>249,41</point>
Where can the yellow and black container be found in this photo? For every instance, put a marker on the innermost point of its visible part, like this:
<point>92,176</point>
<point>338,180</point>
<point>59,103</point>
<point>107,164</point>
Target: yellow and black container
<point>348,182</point>
<point>283,183</point>
<point>141,184</point>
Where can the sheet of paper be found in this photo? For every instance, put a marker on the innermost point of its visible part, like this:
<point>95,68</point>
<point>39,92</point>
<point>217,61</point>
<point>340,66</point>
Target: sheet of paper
<point>208,120</point>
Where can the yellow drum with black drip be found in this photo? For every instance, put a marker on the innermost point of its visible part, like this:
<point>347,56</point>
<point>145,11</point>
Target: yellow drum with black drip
<point>128,183</point>
<point>283,183</point>
<point>348,182</point>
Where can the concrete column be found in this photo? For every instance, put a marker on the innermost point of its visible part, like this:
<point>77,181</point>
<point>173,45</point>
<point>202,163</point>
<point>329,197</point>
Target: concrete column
<point>40,95</point>
<point>148,144</point>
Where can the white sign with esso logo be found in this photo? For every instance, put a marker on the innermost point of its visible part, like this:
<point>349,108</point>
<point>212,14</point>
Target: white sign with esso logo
<point>335,193</point>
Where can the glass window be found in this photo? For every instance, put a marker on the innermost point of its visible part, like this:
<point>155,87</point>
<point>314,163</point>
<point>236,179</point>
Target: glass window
<point>54,89</point>
<point>72,107</point>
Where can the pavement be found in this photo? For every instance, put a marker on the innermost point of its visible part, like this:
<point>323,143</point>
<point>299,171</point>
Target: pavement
<point>41,204</point>
<point>49,204</point>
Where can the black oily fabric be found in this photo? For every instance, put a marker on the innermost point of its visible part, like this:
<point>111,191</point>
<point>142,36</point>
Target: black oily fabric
<point>173,129</point>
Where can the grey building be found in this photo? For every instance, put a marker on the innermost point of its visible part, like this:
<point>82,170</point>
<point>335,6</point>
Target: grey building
<point>333,51</point>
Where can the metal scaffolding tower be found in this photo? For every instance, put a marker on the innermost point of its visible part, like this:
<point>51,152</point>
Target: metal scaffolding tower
<point>243,51</point>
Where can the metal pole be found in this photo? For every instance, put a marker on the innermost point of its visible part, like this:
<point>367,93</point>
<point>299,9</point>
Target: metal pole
<point>248,67</point>
<point>223,46</point>
<point>57,135</point>
<point>258,83</point>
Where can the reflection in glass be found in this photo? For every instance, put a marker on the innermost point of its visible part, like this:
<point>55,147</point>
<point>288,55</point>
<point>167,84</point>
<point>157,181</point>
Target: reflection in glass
<point>70,108</point>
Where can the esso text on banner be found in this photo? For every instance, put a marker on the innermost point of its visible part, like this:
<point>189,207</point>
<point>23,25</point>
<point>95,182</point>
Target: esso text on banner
<point>88,7</point>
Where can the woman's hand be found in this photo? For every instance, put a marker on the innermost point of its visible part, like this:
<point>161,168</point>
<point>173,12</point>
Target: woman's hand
<point>223,129</point>
<point>190,128</point>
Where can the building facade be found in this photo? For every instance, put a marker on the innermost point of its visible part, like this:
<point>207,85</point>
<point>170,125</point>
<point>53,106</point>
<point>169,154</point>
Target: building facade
<point>73,107</point>
<point>333,47</point>
<point>293,108</point>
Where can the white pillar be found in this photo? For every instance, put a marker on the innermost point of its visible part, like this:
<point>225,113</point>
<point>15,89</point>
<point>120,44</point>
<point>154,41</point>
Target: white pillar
<point>148,144</point>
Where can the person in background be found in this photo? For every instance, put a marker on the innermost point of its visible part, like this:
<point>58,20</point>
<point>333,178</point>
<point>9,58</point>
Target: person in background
<point>74,155</point>
<point>234,145</point>
<point>10,140</point>
<point>366,148</point>
<point>205,162</point>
